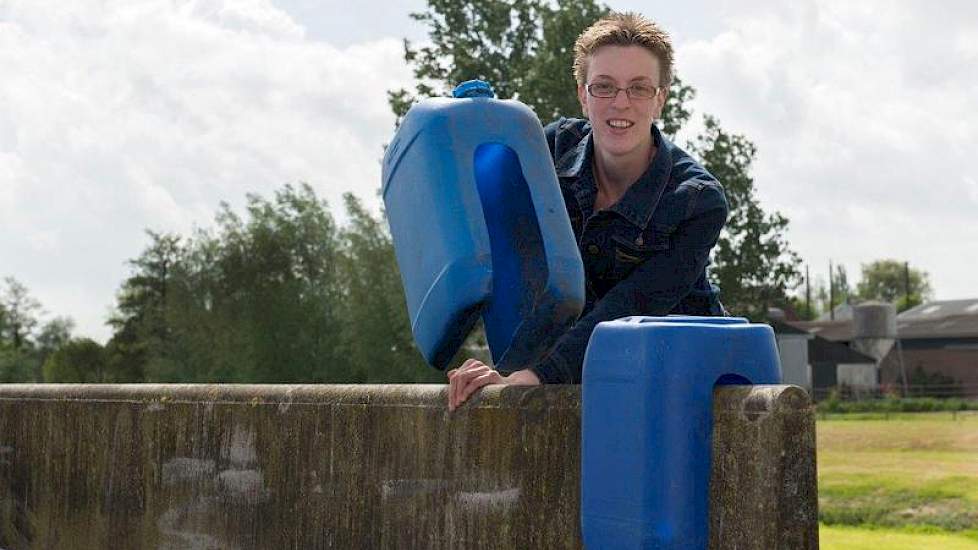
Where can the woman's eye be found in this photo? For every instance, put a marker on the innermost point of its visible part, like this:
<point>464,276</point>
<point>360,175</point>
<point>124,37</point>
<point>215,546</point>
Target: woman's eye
<point>641,90</point>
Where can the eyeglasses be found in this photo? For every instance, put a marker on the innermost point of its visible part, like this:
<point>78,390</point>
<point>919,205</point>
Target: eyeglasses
<point>606,90</point>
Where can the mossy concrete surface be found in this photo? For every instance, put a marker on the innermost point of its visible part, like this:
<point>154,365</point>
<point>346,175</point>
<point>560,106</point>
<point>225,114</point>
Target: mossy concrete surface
<point>276,466</point>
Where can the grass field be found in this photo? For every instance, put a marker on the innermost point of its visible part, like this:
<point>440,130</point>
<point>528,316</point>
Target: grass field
<point>904,481</point>
<point>861,538</point>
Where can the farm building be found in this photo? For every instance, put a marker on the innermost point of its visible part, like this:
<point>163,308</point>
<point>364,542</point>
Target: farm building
<point>935,344</point>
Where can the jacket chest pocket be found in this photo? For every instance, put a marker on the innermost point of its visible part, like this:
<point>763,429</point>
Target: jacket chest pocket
<point>631,253</point>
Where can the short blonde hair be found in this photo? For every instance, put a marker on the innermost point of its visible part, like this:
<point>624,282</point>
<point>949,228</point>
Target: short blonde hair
<point>623,29</point>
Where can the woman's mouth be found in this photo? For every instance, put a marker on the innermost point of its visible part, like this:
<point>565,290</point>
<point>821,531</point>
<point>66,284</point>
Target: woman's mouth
<point>620,123</point>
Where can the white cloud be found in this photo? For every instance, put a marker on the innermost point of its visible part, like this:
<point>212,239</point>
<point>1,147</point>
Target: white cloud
<point>863,114</point>
<point>120,116</point>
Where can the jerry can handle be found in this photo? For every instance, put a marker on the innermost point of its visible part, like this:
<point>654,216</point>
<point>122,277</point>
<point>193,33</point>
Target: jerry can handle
<point>473,88</point>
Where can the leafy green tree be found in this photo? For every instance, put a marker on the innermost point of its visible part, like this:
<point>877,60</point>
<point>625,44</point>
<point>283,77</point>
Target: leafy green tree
<point>377,336</point>
<point>20,312</point>
<point>17,365</point>
<point>255,300</point>
<point>840,293</point>
<point>18,319</point>
<point>141,330</point>
<point>493,41</point>
<point>126,354</point>
<point>54,334</point>
<point>279,273</point>
<point>841,289</point>
<point>752,262</point>
<point>78,361</point>
<point>142,298</point>
<point>890,280</point>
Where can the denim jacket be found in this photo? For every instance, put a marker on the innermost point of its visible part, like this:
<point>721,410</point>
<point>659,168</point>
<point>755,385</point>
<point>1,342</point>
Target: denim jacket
<point>645,255</point>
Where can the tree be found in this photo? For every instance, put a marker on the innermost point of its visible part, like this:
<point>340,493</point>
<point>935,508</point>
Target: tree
<point>53,335</point>
<point>20,312</point>
<point>142,297</point>
<point>78,361</point>
<point>840,291</point>
<point>255,300</point>
<point>18,318</point>
<point>531,60</point>
<point>894,281</point>
<point>17,365</point>
<point>841,288</point>
<point>377,336</point>
<point>752,262</point>
<point>142,333</point>
<point>493,41</point>
<point>278,273</point>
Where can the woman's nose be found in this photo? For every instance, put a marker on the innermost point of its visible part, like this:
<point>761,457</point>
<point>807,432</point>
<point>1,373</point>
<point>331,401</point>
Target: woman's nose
<point>621,99</point>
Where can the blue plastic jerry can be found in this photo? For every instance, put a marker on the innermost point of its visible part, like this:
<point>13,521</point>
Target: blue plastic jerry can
<point>647,419</point>
<point>480,228</point>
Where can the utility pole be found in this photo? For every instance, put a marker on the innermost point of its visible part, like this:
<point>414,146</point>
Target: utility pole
<point>831,294</point>
<point>808,295</point>
<point>906,284</point>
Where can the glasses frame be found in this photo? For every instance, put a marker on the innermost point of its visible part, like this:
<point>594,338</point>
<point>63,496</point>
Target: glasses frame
<point>628,91</point>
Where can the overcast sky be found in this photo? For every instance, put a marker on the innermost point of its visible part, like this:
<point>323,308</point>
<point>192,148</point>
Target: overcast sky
<point>116,116</point>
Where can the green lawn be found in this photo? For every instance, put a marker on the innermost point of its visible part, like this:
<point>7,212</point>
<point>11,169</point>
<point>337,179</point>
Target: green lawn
<point>907,481</point>
<point>861,538</point>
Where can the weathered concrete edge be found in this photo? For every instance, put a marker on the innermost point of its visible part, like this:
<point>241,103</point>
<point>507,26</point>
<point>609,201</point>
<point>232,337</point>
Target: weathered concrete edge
<point>762,399</point>
<point>750,399</point>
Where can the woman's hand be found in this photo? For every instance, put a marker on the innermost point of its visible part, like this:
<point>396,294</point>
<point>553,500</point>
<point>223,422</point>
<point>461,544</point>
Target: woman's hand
<point>473,374</point>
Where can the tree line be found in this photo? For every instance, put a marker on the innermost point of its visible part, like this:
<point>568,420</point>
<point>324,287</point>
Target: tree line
<point>278,294</point>
<point>282,293</point>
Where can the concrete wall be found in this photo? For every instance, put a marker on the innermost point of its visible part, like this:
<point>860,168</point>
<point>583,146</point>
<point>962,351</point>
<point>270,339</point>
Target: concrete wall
<point>207,467</point>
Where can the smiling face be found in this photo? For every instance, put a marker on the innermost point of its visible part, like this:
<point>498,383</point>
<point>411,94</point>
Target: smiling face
<point>621,125</point>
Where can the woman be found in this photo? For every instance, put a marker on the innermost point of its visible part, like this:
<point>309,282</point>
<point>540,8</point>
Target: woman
<point>645,214</point>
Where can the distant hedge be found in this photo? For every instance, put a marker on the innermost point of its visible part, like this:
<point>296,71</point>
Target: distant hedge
<point>896,404</point>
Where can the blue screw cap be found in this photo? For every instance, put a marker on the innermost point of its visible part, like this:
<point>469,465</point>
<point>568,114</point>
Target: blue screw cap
<point>473,88</point>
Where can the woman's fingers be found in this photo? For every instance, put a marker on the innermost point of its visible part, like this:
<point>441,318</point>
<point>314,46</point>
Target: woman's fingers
<point>461,378</point>
<point>453,381</point>
<point>466,364</point>
<point>476,383</point>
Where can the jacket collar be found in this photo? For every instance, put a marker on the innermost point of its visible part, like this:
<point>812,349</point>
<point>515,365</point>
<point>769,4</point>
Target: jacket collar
<point>640,200</point>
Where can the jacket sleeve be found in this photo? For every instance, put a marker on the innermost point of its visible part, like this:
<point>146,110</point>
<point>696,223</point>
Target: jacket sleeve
<point>653,288</point>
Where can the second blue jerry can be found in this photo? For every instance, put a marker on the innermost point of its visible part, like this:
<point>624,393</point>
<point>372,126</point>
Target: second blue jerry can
<point>480,228</point>
<point>647,420</point>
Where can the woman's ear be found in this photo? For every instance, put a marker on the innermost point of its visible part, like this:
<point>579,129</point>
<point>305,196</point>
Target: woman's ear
<point>660,102</point>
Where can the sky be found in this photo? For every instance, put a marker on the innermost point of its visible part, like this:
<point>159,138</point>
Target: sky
<point>122,116</point>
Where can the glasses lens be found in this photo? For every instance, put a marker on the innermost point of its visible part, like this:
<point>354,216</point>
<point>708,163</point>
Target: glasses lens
<point>641,91</point>
<point>602,89</point>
